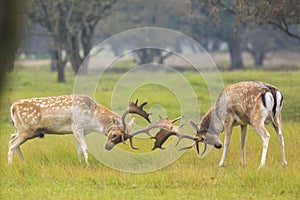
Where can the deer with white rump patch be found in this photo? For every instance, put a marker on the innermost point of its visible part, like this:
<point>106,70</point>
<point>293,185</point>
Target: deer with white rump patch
<point>240,104</point>
<point>77,114</point>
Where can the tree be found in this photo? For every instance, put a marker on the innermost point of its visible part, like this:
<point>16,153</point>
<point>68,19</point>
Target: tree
<point>282,14</point>
<point>138,13</point>
<point>11,26</point>
<point>259,41</point>
<point>71,24</point>
<point>50,15</point>
<point>82,20</point>
<point>217,22</point>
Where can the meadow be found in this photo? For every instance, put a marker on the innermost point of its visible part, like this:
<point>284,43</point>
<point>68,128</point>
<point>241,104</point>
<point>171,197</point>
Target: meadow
<point>51,169</point>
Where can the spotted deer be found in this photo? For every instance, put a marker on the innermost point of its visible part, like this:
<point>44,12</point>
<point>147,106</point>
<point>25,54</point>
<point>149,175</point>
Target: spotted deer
<point>241,104</point>
<point>77,114</point>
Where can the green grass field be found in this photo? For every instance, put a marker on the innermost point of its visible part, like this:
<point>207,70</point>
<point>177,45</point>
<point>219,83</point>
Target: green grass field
<point>51,169</point>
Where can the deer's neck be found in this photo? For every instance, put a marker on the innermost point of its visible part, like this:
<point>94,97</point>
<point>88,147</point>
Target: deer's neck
<point>104,118</point>
<point>212,122</point>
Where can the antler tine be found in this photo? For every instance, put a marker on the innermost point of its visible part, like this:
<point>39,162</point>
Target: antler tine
<point>147,129</point>
<point>188,147</point>
<point>195,143</point>
<point>134,108</point>
<point>162,123</point>
<point>181,136</point>
<point>163,134</point>
<point>205,147</point>
<point>176,119</point>
<point>126,112</point>
<point>131,144</point>
<point>144,130</point>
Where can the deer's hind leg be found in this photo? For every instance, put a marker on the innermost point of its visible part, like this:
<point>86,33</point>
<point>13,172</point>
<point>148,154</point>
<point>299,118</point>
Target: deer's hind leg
<point>265,136</point>
<point>277,127</point>
<point>14,145</point>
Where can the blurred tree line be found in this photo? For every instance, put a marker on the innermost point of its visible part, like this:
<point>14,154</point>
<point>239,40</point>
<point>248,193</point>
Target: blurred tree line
<point>66,30</point>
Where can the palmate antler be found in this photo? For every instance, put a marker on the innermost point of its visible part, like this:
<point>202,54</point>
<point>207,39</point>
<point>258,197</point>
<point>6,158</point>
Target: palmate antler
<point>134,109</point>
<point>162,135</point>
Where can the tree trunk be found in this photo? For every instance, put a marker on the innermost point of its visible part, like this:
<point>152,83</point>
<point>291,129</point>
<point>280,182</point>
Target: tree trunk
<point>74,53</point>
<point>142,55</point>
<point>60,61</point>
<point>163,57</point>
<point>10,62</point>
<point>61,73</point>
<point>235,55</point>
<point>53,61</point>
<point>86,41</point>
<point>258,58</point>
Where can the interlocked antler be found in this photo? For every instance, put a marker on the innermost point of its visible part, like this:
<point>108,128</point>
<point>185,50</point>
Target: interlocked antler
<point>196,139</point>
<point>162,124</point>
<point>160,137</point>
<point>163,134</point>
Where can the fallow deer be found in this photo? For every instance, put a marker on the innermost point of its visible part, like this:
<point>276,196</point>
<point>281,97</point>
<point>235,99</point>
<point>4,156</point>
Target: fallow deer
<point>77,114</point>
<point>241,104</point>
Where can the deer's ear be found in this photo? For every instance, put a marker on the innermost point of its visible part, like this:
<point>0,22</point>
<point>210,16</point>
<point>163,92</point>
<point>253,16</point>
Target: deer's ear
<point>115,121</point>
<point>131,123</point>
<point>195,126</point>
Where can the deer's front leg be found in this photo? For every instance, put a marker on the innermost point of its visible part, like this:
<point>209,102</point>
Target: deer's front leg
<point>79,151</point>
<point>243,141</point>
<point>80,143</point>
<point>228,131</point>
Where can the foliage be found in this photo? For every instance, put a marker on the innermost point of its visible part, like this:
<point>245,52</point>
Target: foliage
<point>212,23</point>
<point>51,169</point>
<point>280,14</point>
<point>252,14</point>
<point>221,25</point>
<point>283,15</point>
<point>259,41</point>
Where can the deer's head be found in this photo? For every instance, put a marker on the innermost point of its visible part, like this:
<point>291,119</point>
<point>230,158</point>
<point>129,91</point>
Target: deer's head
<point>206,137</point>
<point>120,130</point>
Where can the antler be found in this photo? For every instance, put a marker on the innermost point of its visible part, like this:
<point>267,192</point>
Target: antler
<point>135,109</point>
<point>162,135</point>
<point>196,139</point>
<point>162,124</point>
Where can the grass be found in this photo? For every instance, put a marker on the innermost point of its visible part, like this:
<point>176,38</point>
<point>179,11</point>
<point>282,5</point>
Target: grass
<point>51,169</point>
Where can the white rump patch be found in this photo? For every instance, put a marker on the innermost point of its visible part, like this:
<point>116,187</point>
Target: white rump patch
<point>269,101</point>
<point>278,101</point>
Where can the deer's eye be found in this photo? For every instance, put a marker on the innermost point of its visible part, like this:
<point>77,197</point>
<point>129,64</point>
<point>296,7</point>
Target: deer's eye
<point>114,135</point>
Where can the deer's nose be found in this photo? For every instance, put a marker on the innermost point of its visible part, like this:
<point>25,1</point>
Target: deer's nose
<point>218,146</point>
<point>109,146</point>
